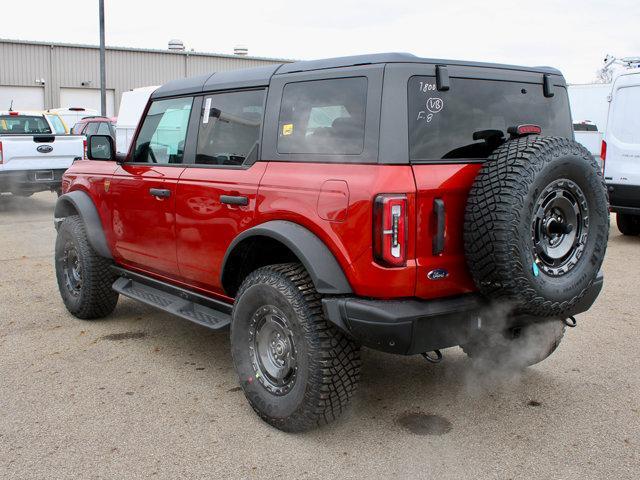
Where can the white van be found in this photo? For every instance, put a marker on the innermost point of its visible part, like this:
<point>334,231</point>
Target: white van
<point>621,152</point>
<point>132,106</point>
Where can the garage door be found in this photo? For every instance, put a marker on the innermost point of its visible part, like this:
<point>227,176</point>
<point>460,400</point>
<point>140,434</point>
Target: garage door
<point>24,98</point>
<point>87,98</point>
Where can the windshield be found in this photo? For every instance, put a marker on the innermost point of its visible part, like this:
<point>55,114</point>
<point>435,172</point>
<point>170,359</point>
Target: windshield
<point>471,119</point>
<point>23,124</point>
<point>57,123</point>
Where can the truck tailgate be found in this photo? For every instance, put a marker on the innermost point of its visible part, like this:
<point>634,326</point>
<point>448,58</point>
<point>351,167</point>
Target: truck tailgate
<point>38,152</point>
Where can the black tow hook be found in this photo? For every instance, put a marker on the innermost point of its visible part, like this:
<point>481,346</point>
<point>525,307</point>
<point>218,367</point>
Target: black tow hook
<point>429,358</point>
<point>570,322</point>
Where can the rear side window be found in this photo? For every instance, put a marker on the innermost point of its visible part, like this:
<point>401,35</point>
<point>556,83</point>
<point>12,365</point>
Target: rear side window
<point>625,123</point>
<point>103,128</point>
<point>164,129</point>
<point>23,124</point>
<point>230,128</point>
<point>469,120</point>
<point>58,126</point>
<point>325,117</point>
<point>92,128</point>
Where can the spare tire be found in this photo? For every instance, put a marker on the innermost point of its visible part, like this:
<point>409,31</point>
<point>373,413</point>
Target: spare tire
<point>536,225</point>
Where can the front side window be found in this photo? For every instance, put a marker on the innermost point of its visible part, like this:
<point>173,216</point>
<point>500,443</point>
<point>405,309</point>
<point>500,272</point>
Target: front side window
<point>471,119</point>
<point>163,132</point>
<point>23,124</point>
<point>230,128</point>
<point>325,117</point>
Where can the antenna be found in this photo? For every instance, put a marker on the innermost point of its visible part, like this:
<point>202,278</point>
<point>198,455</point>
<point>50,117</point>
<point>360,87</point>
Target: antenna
<point>11,106</point>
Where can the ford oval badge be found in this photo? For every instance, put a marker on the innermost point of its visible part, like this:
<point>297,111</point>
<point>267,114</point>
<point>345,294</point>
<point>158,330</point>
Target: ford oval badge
<point>437,274</point>
<point>45,148</point>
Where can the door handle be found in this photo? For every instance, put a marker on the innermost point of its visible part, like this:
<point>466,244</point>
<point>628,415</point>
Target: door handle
<point>234,200</point>
<point>160,192</point>
<point>438,238</point>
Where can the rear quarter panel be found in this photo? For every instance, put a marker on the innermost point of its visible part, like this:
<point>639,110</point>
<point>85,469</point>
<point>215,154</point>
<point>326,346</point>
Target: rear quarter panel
<point>292,191</point>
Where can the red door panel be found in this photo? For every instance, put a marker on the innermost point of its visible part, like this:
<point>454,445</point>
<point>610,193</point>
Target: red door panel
<point>143,225</point>
<point>450,183</point>
<point>205,226</point>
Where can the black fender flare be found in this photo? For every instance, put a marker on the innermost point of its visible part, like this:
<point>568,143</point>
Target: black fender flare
<point>81,202</point>
<point>326,274</point>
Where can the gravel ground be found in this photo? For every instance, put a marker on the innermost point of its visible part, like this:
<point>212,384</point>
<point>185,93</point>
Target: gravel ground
<point>144,395</point>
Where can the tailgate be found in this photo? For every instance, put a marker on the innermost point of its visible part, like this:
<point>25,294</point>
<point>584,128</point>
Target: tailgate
<point>442,192</point>
<point>38,152</point>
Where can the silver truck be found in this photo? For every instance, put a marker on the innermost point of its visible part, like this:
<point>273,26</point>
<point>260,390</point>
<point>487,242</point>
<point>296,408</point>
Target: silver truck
<point>32,156</point>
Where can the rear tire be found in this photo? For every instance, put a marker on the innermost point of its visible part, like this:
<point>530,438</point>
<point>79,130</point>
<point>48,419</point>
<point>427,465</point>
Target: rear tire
<point>84,277</point>
<point>515,349</point>
<point>628,224</point>
<point>297,370</point>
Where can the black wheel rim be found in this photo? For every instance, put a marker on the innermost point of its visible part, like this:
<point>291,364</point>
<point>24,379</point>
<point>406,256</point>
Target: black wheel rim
<point>272,350</point>
<point>559,228</point>
<point>72,269</point>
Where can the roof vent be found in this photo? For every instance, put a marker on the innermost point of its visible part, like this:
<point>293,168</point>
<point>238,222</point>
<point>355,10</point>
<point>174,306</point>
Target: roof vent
<point>176,45</point>
<point>241,50</point>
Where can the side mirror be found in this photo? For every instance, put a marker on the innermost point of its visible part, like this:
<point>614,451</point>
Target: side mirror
<point>100,147</point>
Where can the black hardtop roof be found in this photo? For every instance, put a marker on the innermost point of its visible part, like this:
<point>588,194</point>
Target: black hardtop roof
<point>260,76</point>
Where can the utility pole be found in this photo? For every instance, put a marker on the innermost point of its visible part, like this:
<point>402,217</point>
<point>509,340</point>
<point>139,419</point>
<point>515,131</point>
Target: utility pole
<point>103,74</point>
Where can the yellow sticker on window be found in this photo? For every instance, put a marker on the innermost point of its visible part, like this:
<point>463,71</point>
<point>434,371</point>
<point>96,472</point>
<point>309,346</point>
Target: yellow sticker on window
<point>287,129</point>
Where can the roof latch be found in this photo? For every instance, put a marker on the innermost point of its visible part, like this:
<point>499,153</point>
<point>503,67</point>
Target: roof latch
<point>442,78</point>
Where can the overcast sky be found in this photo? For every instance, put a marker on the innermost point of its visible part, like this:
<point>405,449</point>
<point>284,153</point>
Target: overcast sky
<point>571,35</point>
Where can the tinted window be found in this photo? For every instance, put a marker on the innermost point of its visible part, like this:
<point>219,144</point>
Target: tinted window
<point>163,132</point>
<point>471,119</point>
<point>23,124</point>
<point>585,127</point>
<point>230,128</point>
<point>103,128</point>
<point>625,122</point>
<point>92,128</point>
<point>323,117</point>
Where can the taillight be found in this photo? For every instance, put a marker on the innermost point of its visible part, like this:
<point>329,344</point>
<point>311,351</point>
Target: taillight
<point>390,230</point>
<point>84,147</point>
<point>603,154</point>
<point>1,157</point>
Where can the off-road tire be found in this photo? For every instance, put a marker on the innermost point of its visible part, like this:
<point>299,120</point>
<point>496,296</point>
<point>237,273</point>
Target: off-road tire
<point>628,224</point>
<point>498,239</point>
<point>500,350</point>
<point>94,298</point>
<point>328,362</point>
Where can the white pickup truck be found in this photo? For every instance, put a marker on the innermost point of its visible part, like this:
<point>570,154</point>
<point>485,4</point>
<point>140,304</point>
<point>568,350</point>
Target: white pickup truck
<point>32,157</point>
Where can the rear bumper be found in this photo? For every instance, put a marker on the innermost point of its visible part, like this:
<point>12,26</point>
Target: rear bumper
<point>30,180</point>
<point>624,198</point>
<point>413,326</point>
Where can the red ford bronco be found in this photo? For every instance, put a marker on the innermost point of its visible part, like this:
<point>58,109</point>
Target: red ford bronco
<point>386,201</point>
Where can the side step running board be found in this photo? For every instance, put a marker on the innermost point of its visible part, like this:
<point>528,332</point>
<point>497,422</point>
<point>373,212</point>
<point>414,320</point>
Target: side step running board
<point>203,311</point>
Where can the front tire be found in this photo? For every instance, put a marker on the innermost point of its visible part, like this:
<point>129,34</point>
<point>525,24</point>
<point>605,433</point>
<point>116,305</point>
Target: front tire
<point>84,277</point>
<point>628,224</point>
<point>297,370</point>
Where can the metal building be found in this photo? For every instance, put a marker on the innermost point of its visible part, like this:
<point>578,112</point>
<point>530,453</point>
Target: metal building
<point>40,75</point>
